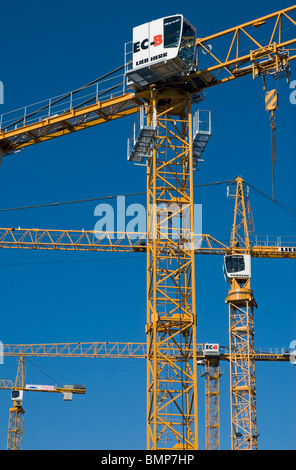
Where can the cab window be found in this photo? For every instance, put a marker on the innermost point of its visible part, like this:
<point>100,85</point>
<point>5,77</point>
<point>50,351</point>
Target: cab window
<point>187,45</point>
<point>235,264</point>
<point>171,31</point>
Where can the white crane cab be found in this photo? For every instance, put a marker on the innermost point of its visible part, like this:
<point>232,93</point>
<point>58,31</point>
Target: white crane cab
<point>17,396</point>
<point>237,266</point>
<point>161,50</point>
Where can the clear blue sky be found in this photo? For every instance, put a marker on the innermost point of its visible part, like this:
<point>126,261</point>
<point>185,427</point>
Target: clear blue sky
<point>69,297</point>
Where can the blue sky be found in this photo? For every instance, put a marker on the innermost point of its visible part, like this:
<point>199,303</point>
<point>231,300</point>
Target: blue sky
<point>69,297</point>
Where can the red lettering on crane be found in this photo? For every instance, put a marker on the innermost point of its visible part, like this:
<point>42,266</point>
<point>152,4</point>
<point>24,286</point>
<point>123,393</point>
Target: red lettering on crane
<point>157,40</point>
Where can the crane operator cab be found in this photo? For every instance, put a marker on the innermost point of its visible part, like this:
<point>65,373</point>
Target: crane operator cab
<point>237,266</point>
<point>161,50</point>
<point>17,397</point>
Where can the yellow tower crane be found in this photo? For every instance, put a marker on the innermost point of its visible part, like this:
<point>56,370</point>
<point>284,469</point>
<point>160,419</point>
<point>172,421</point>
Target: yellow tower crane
<point>242,361</point>
<point>212,373</point>
<point>164,84</point>
<point>241,304</point>
<point>17,413</point>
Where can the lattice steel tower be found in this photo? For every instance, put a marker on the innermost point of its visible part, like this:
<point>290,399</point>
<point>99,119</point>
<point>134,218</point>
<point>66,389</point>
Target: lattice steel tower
<point>241,304</point>
<point>171,316</point>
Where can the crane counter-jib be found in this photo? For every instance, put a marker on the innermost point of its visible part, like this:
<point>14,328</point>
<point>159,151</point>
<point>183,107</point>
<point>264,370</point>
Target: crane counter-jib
<point>9,385</point>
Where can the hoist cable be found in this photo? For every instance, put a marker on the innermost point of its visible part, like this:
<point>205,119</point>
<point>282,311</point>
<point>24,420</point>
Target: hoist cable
<point>273,152</point>
<point>78,201</point>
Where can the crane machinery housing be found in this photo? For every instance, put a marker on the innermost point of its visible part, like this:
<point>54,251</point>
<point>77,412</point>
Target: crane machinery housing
<point>162,49</point>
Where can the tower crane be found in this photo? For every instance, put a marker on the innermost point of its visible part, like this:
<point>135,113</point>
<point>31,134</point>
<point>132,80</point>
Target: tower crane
<point>165,84</point>
<point>103,102</point>
<point>241,304</point>
<point>17,413</point>
<point>212,373</point>
<point>242,362</point>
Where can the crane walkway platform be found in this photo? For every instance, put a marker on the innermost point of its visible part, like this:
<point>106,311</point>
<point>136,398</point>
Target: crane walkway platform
<point>92,104</point>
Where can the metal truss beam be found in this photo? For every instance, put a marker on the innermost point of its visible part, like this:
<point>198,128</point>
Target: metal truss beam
<point>90,240</point>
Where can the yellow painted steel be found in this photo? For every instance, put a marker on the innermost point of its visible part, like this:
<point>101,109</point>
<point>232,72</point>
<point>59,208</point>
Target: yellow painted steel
<point>116,350</point>
<point>16,412</point>
<point>240,230</point>
<point>171,316</point>
<point>271,100</point>
<point>71,121</point>
<point>262,59</point>
<point>15,428</point>
<point>90,240</point>
<point>112,350</point>
<point>212,404</point>
<point>241,304</point>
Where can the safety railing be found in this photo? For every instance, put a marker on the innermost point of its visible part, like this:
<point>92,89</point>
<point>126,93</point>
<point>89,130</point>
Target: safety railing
<point>273,240</point>
<point>128,56</point>
<point>202,122</point>
<point>52,107</point>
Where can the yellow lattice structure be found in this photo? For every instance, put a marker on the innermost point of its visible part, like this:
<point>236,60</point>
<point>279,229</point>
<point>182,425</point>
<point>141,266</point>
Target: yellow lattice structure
<point>171,317</point>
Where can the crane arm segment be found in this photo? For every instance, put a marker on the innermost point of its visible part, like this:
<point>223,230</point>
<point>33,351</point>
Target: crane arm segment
<point>6,384</point>
<point>90,240</point>
<point>24,132</point>
<point>73,240</point>
<point>113,350</point>
<point>86,350</point>
<point>263,46</point>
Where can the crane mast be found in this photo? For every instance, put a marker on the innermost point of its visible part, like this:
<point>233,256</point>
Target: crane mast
<point>241,305</point>
<point>16,412</point>
<point>212,373</point>
<point>171,316</point>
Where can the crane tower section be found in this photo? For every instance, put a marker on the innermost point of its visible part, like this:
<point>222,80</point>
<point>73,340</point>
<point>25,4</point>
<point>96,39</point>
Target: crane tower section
<point>171,312</point>
<point>161,50</point>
